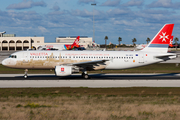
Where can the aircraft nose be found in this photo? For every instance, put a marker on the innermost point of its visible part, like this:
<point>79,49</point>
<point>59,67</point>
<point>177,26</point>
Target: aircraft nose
<point>4,62</point>
<point>8,62</point>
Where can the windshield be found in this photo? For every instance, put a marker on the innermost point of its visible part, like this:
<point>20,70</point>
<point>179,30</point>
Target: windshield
<point>12,56</point>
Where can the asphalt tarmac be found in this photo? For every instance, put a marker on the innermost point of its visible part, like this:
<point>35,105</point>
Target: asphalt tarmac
<point>95,81</point>
<point>172,76</point>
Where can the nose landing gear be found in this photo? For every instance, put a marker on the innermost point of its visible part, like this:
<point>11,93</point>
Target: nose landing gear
<point>25,73</point>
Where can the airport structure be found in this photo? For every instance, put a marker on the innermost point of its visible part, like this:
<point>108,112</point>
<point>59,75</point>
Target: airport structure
<point>10,42</point>
<point>84,41</point>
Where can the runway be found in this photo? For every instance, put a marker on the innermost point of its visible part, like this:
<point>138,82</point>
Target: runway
<point>95,81</point>
<point>174,76</point>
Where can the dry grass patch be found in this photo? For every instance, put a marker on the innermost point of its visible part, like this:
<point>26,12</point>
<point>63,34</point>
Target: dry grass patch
<point>90,107</point>
<point>90,103</point>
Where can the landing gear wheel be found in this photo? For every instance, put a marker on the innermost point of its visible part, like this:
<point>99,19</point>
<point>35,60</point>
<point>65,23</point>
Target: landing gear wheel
<point>25,73</point>
<point>25,76</point>
<point>86,76</point>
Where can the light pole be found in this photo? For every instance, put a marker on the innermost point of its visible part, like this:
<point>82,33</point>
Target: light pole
<point>93,23</point>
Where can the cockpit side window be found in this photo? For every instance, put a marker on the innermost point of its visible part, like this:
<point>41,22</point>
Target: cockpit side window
<point>12,56</point>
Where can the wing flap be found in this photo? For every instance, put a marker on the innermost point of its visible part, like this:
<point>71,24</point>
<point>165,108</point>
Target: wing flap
<point>91,65</point>
<point>95,62</point>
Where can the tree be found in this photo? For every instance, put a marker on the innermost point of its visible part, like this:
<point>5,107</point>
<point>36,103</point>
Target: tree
<point>106,38</point>
<point>134,40</point>
<point>175,40</point>
<point>119,40</point>
<point>148,40</point>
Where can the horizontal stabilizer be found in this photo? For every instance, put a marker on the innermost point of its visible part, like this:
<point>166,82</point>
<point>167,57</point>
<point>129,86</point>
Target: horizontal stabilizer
<point>166,56</point>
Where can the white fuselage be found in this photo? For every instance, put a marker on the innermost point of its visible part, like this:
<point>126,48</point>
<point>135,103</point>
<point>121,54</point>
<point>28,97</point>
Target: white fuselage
<point>50,59</point>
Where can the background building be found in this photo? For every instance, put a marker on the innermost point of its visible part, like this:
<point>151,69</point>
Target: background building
<point>11,42</point>
<point>20,43</point>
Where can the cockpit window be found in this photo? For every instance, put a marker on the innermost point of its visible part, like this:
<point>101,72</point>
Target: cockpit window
<point>12,56</point>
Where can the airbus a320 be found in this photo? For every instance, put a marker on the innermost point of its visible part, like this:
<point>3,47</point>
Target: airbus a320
<point>68,62</point>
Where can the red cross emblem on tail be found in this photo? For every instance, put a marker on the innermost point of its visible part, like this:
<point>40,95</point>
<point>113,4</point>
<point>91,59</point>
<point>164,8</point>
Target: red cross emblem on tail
<point>163,37</point>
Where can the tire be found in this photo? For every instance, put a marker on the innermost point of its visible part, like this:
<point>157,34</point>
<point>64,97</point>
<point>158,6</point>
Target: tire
<point>25,76</point>
<point>86,76</point>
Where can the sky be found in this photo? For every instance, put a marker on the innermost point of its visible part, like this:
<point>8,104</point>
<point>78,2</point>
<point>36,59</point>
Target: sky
<point>127,19</point>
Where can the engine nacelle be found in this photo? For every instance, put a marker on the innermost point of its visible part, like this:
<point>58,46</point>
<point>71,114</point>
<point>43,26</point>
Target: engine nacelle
<point>63,70</point>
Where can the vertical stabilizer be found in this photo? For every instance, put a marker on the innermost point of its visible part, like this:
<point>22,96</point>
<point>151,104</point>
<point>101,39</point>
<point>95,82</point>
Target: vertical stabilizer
<point>171,41</point>
<point>76,42</point>
<point>161,40</point>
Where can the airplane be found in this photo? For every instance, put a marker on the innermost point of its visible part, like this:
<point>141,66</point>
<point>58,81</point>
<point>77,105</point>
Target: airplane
<point>66,63</point>
<point>61,47</point>
<point>1,33</point>
<point>171,41</point>
<point>141,46</point>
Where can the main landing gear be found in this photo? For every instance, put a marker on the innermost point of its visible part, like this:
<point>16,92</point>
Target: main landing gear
<point>85,75</point>
<point>25,73</point>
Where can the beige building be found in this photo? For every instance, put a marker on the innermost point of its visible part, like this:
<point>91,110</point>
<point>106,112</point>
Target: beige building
<point>11,42</point>
<point>20,43</point>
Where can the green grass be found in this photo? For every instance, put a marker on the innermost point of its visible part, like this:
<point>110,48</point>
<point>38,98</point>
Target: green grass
<point>154,68</point>
<point>92,92</point>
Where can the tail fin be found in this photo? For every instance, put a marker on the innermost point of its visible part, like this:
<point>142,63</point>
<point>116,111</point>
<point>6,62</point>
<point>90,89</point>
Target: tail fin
<point>171,41</point>
<point>76,42</point>
<point>161,41</point>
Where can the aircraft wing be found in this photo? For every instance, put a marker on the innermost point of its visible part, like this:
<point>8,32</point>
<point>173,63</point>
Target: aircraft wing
<point>89,65</point>
<point>90,62</point>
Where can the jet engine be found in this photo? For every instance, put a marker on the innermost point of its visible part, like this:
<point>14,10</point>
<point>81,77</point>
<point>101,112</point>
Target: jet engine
<point>65,70</point>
